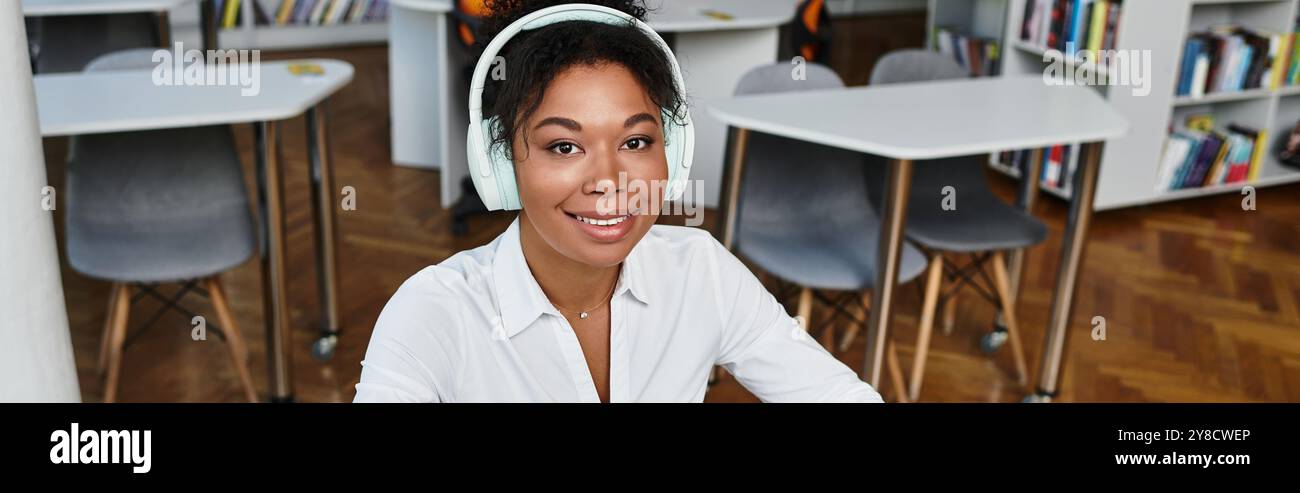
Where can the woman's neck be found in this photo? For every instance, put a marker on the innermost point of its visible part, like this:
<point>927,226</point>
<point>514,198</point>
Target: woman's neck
<point>569,284</point>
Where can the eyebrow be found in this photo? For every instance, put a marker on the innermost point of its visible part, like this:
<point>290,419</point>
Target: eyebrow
<point>577,127</point>
<point>638,118</point>
<point>563,122</point>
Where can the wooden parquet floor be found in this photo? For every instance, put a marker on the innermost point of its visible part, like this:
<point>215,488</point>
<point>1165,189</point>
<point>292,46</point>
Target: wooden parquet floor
<point>1202,299</point>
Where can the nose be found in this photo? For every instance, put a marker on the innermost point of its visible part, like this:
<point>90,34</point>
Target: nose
<point>602,178</point>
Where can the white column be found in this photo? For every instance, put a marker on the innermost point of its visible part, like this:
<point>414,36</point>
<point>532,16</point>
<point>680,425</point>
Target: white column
<point>36,363</point>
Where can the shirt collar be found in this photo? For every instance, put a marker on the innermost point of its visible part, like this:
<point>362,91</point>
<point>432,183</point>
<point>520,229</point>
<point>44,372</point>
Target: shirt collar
<point>521,299</point>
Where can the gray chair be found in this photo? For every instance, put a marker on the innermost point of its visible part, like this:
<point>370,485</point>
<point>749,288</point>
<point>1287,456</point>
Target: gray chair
<point>66,43</point>
<point>804,216</point>
<point>976,223</point>
<point>158,206</point>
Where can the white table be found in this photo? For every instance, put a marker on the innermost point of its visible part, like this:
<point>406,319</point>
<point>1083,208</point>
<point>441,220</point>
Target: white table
<point>86,103</point>
<point>428,90</point>
<point>91,7</point>
<point>43,8</point>
<point>936,120</point>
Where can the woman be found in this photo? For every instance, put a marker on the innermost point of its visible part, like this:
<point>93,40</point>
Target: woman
<point>579,300</point>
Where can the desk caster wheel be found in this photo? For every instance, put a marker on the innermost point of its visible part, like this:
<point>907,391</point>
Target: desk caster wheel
<point>323,349</point>
<point>993,341</point>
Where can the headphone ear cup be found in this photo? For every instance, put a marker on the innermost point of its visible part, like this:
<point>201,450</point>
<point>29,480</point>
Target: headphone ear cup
<point>503,169</point>
<point>678,150</point>
<point>481,171</point>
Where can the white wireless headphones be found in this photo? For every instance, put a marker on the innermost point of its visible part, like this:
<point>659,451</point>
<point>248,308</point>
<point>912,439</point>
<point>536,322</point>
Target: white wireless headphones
<point>493,171</point>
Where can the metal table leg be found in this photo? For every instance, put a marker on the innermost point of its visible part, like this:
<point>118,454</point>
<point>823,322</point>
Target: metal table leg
<point>270,192</point>
<point>322,198</point>
<point>1067,277</point>
<point>893,217</point>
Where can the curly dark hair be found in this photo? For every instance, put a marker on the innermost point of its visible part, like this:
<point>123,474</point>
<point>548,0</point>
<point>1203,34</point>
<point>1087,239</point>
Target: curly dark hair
<point>534,58</point>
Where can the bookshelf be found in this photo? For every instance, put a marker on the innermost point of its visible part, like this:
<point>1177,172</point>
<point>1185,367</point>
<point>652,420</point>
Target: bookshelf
<point>976,18</point>
<point>1131,165</point>
<point>248,34</point>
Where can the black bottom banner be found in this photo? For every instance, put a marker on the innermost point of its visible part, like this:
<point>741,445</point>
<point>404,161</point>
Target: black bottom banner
<point>159,443</point>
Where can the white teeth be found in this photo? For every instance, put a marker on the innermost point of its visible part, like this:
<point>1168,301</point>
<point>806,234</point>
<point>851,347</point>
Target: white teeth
<point>601,222</point>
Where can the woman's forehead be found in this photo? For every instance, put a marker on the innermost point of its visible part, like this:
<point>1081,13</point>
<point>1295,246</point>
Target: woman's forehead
<point>593,90</point>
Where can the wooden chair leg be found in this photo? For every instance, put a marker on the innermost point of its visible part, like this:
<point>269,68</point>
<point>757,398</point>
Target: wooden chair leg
<point>950,313</point>
<point>106,339</point>
<point>234,339</point>
<point>1009,315</point>
<point>828,337</point>
<point>804,311</point>
<point>851,332</point>
<point>122,299</point>
<point>933,281</point>
<point>896,372</point>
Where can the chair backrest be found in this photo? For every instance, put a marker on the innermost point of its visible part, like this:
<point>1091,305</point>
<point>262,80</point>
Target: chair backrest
<point>915,65</point>
<point>790,181</point>
<point>127,176</point>
<point>132,59</point>
<point>928,177</point>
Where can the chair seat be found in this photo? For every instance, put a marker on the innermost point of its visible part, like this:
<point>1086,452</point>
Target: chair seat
<point>979,220</point>
<point>974,226</point>
<point>162,251</point>
<point>843,259</point>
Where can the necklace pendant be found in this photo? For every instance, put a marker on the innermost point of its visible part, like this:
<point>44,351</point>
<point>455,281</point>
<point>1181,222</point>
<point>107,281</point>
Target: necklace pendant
<point>582,315</point>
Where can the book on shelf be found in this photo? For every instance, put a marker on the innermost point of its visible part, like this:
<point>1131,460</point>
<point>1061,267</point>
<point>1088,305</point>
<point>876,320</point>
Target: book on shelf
<point>1056,168</point>
<point>1231,59</point>
<point>319,12</point>
<point>979,56</point>
<point>1071,25</point>
<point>230,13</point>
<point>1197,155</point>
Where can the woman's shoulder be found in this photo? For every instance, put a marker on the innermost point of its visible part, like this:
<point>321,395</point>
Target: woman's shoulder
<point>447,285</point>
<point>457,275</point>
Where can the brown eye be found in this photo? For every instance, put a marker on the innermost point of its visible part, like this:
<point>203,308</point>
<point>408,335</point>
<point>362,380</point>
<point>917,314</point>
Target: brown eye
<point>636,144</point>
<point>564,148</point>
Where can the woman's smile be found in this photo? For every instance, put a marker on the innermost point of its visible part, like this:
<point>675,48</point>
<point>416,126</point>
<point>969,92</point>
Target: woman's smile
<point>604,228</point>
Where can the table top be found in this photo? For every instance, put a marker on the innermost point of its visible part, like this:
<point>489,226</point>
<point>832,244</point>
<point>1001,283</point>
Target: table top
<point>86,7</point>
<point>931,120</point>
<point>682,15</point>
<point>85,103</point>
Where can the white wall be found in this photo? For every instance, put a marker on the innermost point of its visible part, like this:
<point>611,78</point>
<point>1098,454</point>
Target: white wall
<point>35,348</point>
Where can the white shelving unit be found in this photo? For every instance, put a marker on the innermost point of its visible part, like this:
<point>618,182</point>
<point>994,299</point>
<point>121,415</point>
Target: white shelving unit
<point>249,35</point>
<point>1130,165</point>
<point>979,18</point>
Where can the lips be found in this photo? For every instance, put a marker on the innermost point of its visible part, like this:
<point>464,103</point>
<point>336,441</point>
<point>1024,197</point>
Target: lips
<point>604,228</point>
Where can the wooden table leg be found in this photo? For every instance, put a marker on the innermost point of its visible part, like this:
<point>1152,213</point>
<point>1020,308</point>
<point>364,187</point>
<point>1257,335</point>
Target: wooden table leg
<point>893,218</point>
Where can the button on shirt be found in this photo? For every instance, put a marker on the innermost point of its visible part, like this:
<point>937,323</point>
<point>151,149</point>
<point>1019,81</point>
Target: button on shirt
<point>478,328</point>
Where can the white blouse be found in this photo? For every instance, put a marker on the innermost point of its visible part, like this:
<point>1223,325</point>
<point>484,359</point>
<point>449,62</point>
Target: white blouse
<point>477,328</point>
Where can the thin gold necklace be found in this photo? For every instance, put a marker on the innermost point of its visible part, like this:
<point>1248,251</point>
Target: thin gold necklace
<point>585,313</point>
